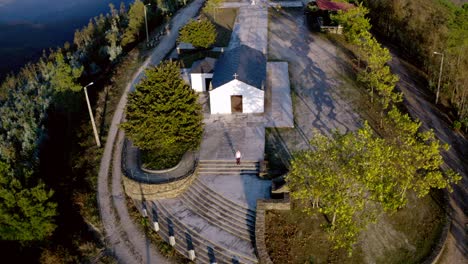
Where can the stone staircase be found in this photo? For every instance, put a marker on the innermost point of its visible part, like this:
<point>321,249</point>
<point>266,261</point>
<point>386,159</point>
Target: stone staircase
<point>228,167</point>
<point>216,228</point>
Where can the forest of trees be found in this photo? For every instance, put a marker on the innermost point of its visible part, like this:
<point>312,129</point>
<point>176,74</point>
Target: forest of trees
<point>420,27</point>
<point>45,96</point>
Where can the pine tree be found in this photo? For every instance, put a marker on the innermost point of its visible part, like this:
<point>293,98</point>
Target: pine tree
<point>163,114</point>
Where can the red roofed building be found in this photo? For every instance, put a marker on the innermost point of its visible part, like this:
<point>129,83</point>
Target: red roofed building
<point>327,5</point>
<point>318,15</point>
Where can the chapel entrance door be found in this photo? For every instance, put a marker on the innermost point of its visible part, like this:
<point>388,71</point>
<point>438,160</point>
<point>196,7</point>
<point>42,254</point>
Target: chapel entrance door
<point>236,103</point>
<point>208,84</point>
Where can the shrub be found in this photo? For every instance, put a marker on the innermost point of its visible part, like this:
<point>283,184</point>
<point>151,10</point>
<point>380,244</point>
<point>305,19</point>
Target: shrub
<point>201,34</point>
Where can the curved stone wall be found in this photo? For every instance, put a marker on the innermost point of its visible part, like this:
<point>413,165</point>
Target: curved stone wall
<point>148,191</point>
<point>132,169</point>
<point>153,184</point>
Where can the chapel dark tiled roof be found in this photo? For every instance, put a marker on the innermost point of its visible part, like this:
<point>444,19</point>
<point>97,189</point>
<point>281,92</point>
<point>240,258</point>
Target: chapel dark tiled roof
<point>205,65</point>
<point>248,64</point>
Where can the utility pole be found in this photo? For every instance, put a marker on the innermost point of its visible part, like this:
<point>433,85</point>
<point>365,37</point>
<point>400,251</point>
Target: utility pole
<point>96,136</point>
<point>146,24</point>
<point>440,74</point>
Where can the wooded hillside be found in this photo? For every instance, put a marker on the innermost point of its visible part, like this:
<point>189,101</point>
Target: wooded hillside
<point>422,27</point>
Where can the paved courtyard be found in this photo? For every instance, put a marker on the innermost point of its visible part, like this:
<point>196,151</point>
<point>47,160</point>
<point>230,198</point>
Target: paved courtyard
<point>316,75</point>
<point>225,134</point>
<point>251,28</point>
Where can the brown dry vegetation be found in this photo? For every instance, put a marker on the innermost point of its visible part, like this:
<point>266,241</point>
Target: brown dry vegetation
<point>404,237</point>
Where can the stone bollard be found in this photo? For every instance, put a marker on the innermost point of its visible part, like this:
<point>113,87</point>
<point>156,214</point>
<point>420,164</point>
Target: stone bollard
<point>145,213</point>
<point>191,254</point>
<point>172,240</point>
<point>156,226</point>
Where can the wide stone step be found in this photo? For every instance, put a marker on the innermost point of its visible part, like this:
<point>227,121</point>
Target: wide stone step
<point>181,244</point>
<point>210,232</point>
<point>205,191</point>
<point>233,166</point>
<point>241,221</point>
<point>201,243</point>
<point>202,252</point>
<point>227,172</point>
<point>233,161</point>
<point>221,220</point>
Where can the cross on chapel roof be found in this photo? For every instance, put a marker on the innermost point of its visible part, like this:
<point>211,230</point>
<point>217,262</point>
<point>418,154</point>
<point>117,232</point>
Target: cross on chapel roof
<point>235,75</point>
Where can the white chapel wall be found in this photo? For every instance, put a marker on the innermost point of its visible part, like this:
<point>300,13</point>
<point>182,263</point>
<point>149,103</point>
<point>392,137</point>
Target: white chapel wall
<point>198,81</point>
<point>252,98</point>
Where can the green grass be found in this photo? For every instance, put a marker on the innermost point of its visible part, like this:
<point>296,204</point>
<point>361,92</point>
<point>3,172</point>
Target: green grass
<point>224,22</point>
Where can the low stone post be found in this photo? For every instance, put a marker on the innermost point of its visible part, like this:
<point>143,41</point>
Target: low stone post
<point>172,240</point>
<point>191,254</point>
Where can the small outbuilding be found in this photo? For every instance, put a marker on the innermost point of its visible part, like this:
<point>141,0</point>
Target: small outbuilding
<point>238,84</point>
<point>318,14</point>
<point>201,74</point>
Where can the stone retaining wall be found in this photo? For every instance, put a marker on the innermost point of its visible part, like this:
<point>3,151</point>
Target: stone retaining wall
<point>262,207</point>
<point>438,249</point>
<point>148,191</point>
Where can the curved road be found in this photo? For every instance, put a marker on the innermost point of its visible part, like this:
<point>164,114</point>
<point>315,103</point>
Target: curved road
<point>129,244</point>
<point>420,105</point>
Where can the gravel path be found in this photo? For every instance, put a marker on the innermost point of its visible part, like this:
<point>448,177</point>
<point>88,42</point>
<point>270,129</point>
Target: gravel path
<point>129,244</point>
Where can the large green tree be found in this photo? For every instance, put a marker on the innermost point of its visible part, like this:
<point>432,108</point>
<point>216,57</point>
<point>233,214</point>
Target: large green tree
<point>163,114</point>
<point>201,34</point>
<point>352,177</point>
<point>26,213</point>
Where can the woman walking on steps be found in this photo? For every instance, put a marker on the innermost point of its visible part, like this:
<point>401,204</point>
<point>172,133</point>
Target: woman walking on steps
<point>238,157</point>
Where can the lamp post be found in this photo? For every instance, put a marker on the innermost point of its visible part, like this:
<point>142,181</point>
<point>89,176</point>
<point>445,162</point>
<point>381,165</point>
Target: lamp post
<point>440,74</point>
<point>146,24</point>
<point>91,115</point>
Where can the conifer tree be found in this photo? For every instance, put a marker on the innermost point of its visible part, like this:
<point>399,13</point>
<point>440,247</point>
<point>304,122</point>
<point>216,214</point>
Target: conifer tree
<point>163,114</point>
